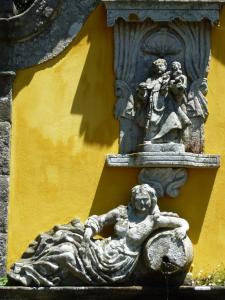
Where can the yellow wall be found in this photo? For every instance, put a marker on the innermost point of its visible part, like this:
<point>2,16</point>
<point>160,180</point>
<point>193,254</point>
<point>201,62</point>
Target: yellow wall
<point>63,127</point>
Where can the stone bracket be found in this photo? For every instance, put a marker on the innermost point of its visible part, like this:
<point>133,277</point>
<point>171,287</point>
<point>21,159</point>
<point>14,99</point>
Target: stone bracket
<point>166,181</point>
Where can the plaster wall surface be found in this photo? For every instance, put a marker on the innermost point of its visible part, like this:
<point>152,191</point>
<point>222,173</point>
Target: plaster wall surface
<point>63,127</point>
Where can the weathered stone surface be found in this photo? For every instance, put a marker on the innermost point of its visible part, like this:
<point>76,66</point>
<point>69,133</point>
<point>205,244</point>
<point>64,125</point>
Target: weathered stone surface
<point>163,159</point>
<point>4,188</point>
<point>4,147</point>
<point>3,239</point>
<point>30,22</point>
<point>6,81</point>
<point>162,11</point>
<point>166,147</point>
<point>160,108</point>
<point>3,253</point>
<point>67,255</point>
<point>166,251</point>
<point>4,194</point>
<point>3,217</point>
<point>5,109</point>
<point>44,30</point>
<point>166,181</point>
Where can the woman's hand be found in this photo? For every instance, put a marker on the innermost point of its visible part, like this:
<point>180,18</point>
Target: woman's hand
<point>88,233</point>
<point>180,233</point>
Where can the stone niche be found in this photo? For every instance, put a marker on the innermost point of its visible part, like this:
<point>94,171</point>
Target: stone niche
<point>162,54</point>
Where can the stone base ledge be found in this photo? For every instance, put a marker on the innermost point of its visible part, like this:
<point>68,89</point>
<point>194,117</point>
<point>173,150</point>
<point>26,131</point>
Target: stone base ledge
<point>164,159</point>
<point>112,293</point>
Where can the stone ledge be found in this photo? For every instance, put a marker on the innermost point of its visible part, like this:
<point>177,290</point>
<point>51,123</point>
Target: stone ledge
<point>111,293</point>
<point>165,159</point>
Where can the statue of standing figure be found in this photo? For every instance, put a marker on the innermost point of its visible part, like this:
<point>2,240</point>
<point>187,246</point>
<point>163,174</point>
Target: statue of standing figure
<point>160,104</point>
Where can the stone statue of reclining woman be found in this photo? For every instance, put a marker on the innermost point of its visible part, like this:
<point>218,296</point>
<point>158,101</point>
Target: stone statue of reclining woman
<point>68,254</point>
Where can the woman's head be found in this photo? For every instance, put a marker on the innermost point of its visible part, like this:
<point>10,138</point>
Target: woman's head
<point>143,197</point>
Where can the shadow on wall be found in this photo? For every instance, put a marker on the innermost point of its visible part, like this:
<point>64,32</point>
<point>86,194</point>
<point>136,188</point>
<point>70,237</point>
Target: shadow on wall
<point>94,97</point>
<point>191,204</point>
<point>193,201</point>
<point>114,189</point>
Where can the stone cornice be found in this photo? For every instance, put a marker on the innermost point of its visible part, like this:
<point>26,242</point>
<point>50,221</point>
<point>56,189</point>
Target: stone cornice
<point>162,11</point>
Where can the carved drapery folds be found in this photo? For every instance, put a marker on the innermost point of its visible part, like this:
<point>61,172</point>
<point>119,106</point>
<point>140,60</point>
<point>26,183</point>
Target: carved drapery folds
<point>162,54</point>
<point>137,46</point>
<point>68,254</point>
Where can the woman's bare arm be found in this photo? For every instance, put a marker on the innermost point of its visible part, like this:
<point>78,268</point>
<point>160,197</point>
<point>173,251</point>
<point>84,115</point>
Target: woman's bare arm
<point>179,224</point>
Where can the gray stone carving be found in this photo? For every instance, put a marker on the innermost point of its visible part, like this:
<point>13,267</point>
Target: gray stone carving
<point>162,11</point>
<point>163,159</point>
<point>4,147</point>
<point>160,106</point>
<point>166,181</point>
<point>68,254</point>
<point>177,257</point>
<point>43,31</point>
<point>31,22</point>
<point>6,80</point>
<point>141,49</point>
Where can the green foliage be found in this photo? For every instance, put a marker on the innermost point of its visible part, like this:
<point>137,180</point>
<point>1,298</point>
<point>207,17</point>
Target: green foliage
<point>3,281</point>
<point>216,278</point>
